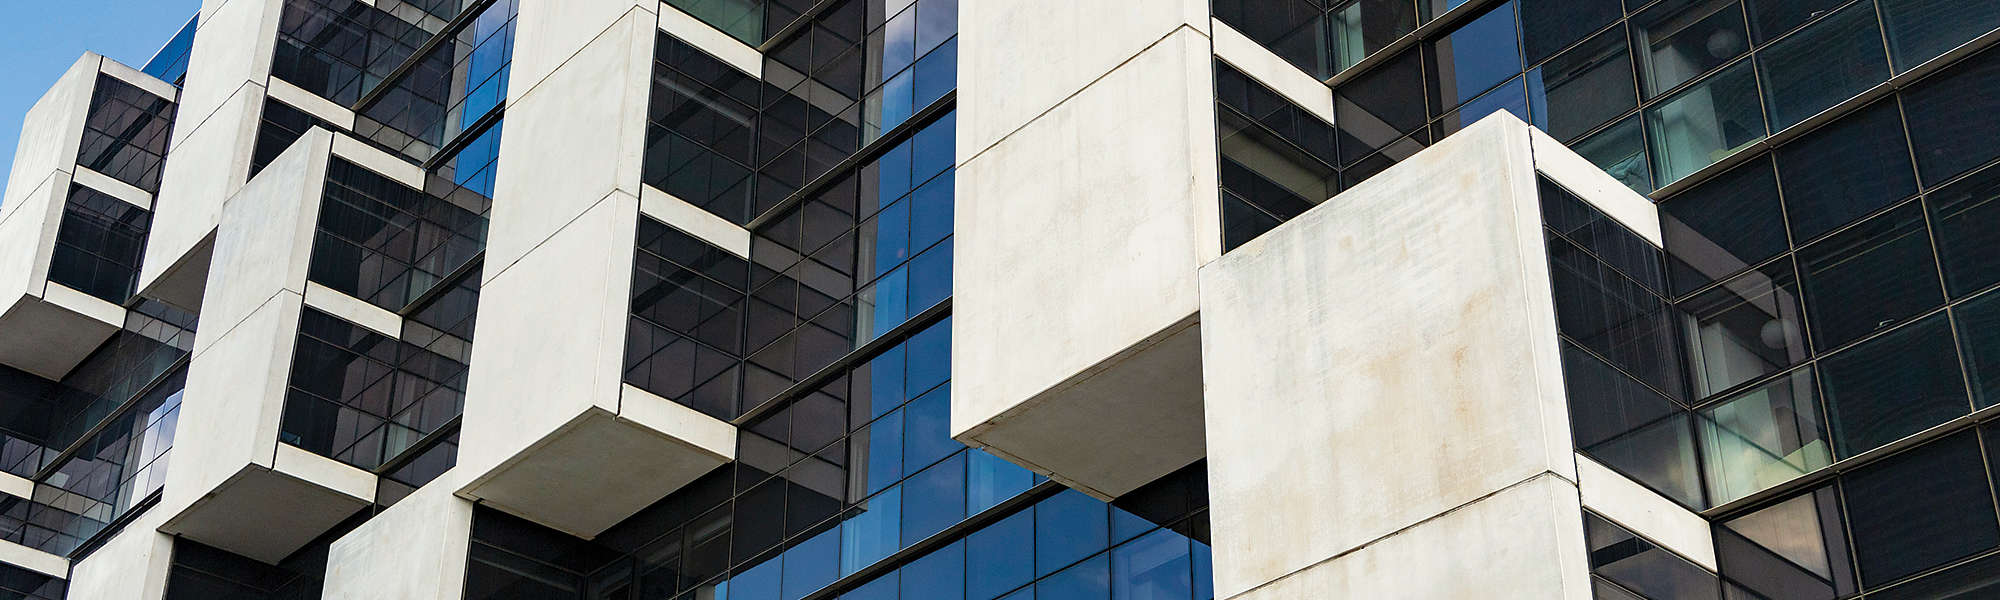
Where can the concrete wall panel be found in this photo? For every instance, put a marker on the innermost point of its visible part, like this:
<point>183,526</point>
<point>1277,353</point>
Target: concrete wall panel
<point>132,565</point>
<point>52,131</point>
<point>202,171</point>
<point>1385,357</point>
<point>415,550</point>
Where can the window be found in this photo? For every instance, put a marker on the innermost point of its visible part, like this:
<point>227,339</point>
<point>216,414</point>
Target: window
<point>388,244</point>
<point>1768,435</point>
<point>1472,59</point>
<point>1966,218</point>
<point>1705,123</point>
<point>1920,509</point>
<point>1630,427</point>
<point>1920,30</point>
<point>98,245</point>
<point>1893,386</point>
<point>1951,117</point>
<point>125,133</point>
<point>1293,29</point>
<point>700,130</point>
<point>1979,336</point>
<point>1376,108</point>
<point>1585,87</point>
<point>1548,26</point>
<point>1619,150</point>
<point>1068,527</point>
<point>1678,40</point>
<point>1792,549</point>
<point>1828,62</point>
<point>1744,329</point>
<point>685,340</point>
<point>1773,18</point>
<point>1616,317</point>
<point>341,49</point>
<point>1639,565</point>
<point>1846,170</point>
<point>1722,226</point>
<point>1869,277</point>
<point>1363,27</point>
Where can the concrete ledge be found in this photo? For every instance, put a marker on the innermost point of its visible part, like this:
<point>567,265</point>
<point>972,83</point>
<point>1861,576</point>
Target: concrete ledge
<point>734,52</point>
<point>297,97</point>
<point>1593,185</point>
<point>34,560</point>
<point>1644,512</point>
<point>47,338</point>
<point>353,310</point>
<point>111,187</point>
<point>679,214</point>
<point>267,514</point>
<point>16,486</point>
<point>1257,61</point>
<point>601,467</point>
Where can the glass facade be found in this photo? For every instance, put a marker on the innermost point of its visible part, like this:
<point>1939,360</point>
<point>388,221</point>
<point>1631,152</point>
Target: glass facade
<point>98,244</point>
<point>125,133</point>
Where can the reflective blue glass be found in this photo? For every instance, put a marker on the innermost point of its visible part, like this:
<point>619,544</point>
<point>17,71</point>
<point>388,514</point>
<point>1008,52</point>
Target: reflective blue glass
<point>891,229</point>
<point>941,489</point>
<point>937,73</point>
<point>898,99</point>
<point>894,172</point>
<point>939,575</point>
<point>937,20</point>
<point>1068,527</point>
<point>990,480</point>
<point>931,212</point>
<point>886,304</point>
<point>1125,525</point>
<point>1472,59</point>
<point>933,148</point>
<point>884,441</point>
<point>1003,553</point>
<point>882,588</point>
<point>760,582</point>
<point>1090,580</point>
<point>812,564</point>
<point>870,535</point>
<point>927,429</point>
<point>899,42</point>
<point>930,357</point>
<point>1155,567</point>
<point>930,277</point>
<point>885,381</point>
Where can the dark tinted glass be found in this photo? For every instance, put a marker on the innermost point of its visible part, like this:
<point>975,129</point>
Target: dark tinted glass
<point>1548,26</point>
<point>1920,509</point>
<point>1892,386</point>
<point>1979,337</point>
<point>1479,54</point>
<point>1920,30</point>
<point>1294,29</point>
<point>1745,328</point>
<point>1630,427</point>
<point>1004,554</point>
<point>1681,39</point>
<point>1619,150</point>
<point>1722,226</point>
<point>1772,18</point>
<point>1604,237</point>
<point>1976,579</point>
<point>1615,317</point>
<point>1828,62</point>
<point>98,244</point>
<point>1068,527</point>
<point>1848,169</point>
<point>1639,565</point>
<point>1361,27</point>
<point>1951,117</point>
<point>125,133</point>
<point>1793,549</point>
<point>1966,218</point>
<point>1379,106</point>
<point>1585,86</point>
<point>1869,277</point>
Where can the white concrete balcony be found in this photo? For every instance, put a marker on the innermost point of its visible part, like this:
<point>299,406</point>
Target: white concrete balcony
<point>236,484</point>
<point>47,324</point>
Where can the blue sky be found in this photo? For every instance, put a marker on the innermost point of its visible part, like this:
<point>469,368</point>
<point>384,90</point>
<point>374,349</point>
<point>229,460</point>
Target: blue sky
<point>42,38</point>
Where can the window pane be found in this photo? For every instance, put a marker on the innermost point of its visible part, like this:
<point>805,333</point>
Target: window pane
<point>1003,555</point>
<point>1979,334</point>
<point>1966,217</point>
<point>1794,549</point>
<point>939,575</point>
<point>1621,151</point>
<point>1090,580</point>
<point>1826,63</point>
<point>1841,172</point>
<point>1772,18</point>
<point>1920,509</point>
<point>1681,39</point>
<point>1068,527</point>
<point>1630,428</point>
<point>1380,106</point>
<point>1548,26</point>
<point>1510,97</point>
<point>938,500</point>
<point>1745,329</point>
<point>1722,226</point>
<point>1976,579</point>
<point>1153,568</point>
<point>1293,29</point>
<point>1951,117</point>
<point>1616,317</point>
<point>1365,26</point>
<point>1869,277</point>
<point>1633,562</point>
<point>1920,30</point>
<point>1585,86</point>
<point>1466,62</point>
<point>1705,123</point>
<point>1892,386</point>
<point>1763,437</point>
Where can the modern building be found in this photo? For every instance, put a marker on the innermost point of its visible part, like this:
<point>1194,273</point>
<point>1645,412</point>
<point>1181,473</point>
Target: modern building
<point>1011,300</point>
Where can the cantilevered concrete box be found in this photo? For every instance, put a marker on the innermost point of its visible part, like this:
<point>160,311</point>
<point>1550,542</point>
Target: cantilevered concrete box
<point>235,485</point>
<point>46,328</point>
<point>1385,397</point>
<point>551,433</point>
<point>1087,199</point>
